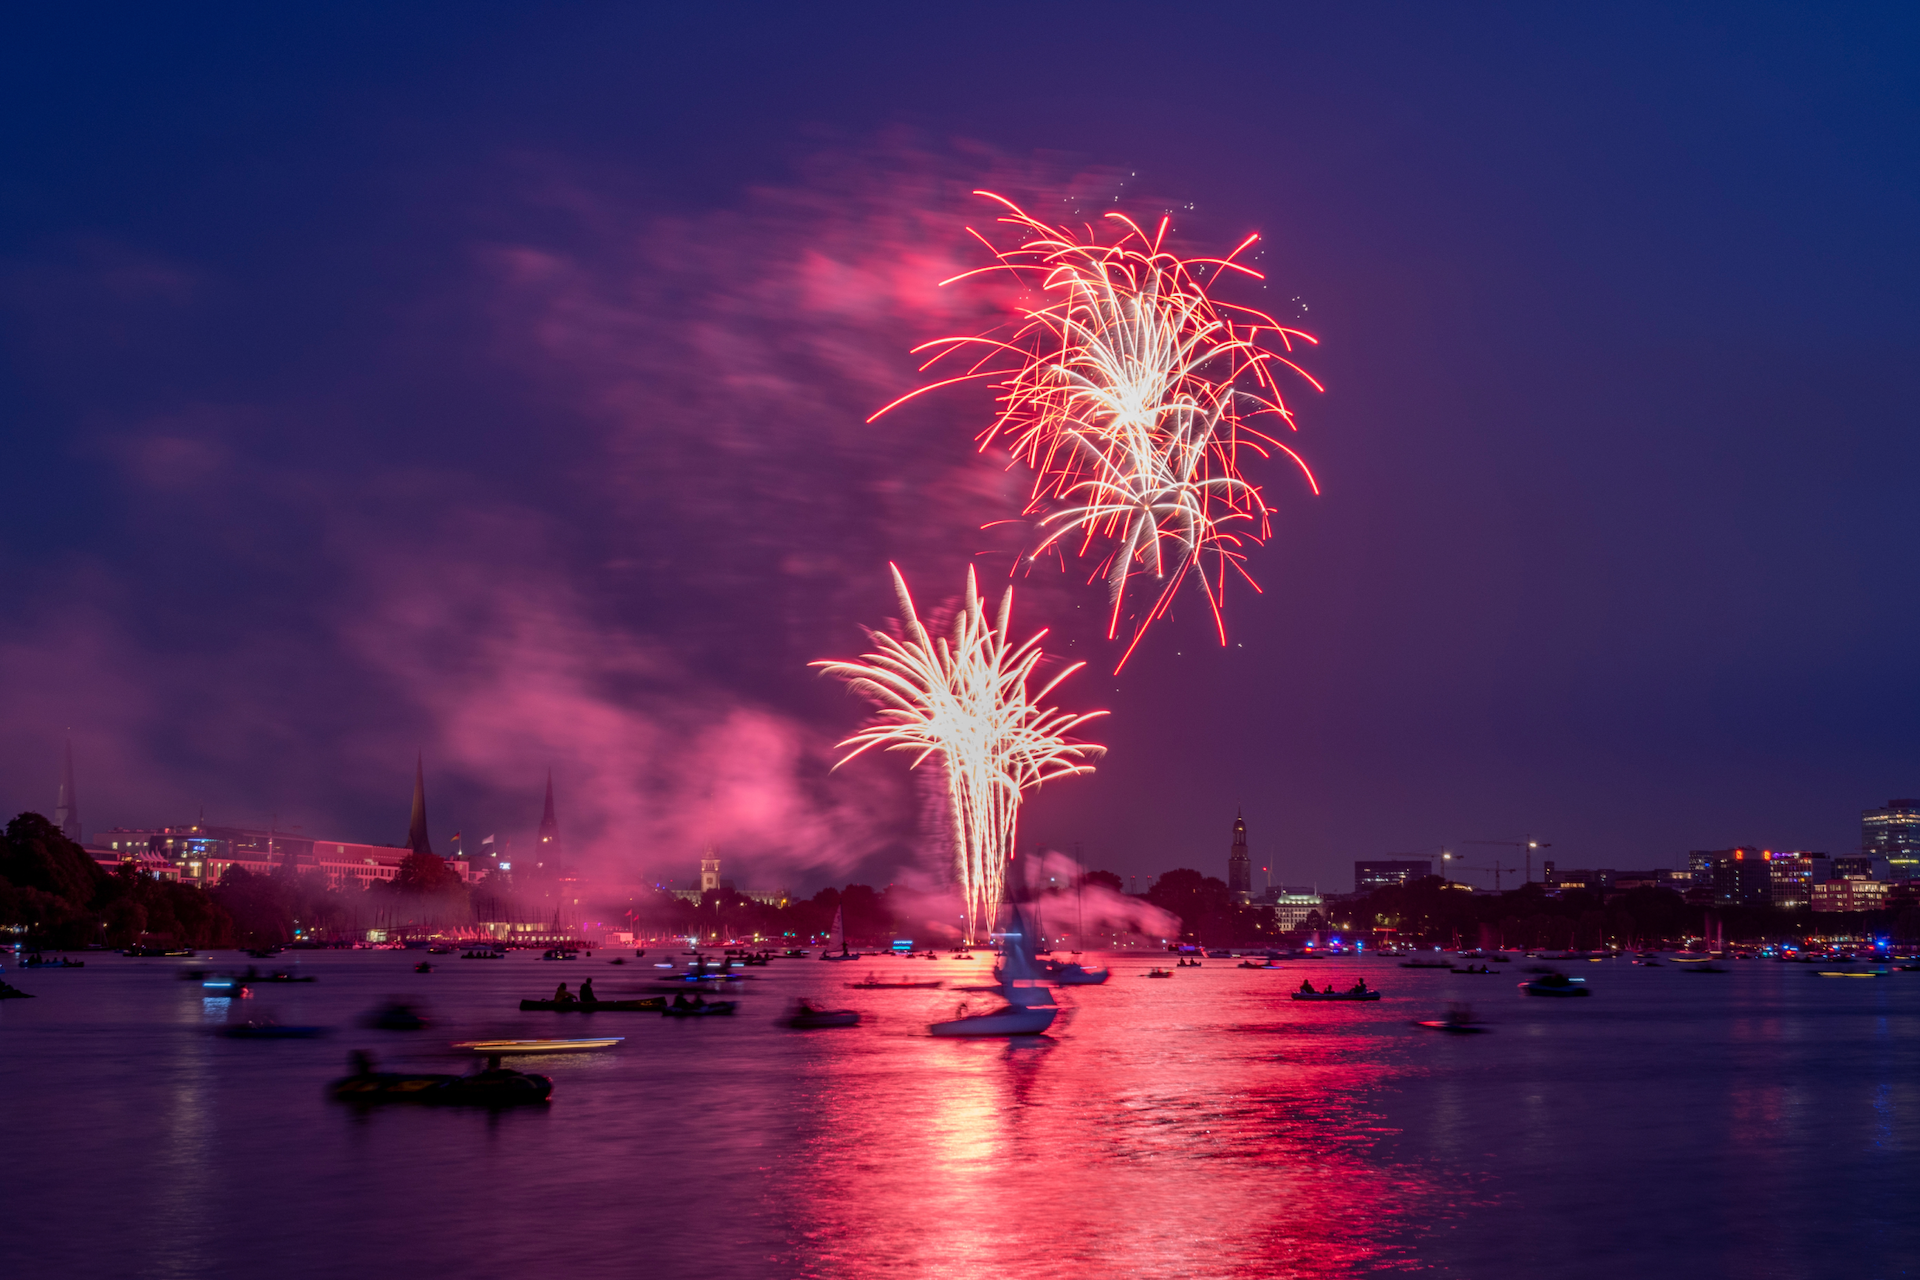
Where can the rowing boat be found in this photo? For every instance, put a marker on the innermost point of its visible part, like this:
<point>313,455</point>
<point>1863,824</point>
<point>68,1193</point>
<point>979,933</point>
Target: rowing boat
<point>538,1046</point>
<point>652,1004</point>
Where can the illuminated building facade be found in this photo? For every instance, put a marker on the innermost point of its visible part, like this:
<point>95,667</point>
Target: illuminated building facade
<point>1850,895</point>
<point>1377,873</point>
<point>1893,833</point>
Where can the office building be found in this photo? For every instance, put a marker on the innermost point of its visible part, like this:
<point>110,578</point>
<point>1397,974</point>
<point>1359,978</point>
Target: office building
<point>1740,877</point>
<point>1794,874</point>
<point>1893,833</point>
<point>1377,873</point>
<point>1861,867</point>
<point>1850,895</point>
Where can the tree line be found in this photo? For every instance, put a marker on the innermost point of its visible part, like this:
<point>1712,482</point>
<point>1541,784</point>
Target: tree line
<point>56,895</point>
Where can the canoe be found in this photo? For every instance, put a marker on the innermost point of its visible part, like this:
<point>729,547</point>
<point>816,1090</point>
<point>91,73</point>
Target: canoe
<point>539,1046</point>
<point>820,1019</point>
<point>1336,995</point>
<point>892,986</point>
<point>649,1005</point>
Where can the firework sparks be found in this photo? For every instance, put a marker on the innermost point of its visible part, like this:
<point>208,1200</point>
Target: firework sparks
<point>1132,393</point>
<point>966,699</point>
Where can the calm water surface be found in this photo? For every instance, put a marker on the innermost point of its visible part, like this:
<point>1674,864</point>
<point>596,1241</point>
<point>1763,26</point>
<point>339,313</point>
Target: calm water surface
<point>1759,1123</point>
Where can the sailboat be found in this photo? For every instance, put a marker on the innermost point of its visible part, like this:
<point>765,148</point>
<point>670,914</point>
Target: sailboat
<point>1029,1010</point>
<point>1072,973</point>
<point>838,937</point>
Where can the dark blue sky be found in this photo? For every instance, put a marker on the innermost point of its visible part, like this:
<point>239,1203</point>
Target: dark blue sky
<point>488,379</point>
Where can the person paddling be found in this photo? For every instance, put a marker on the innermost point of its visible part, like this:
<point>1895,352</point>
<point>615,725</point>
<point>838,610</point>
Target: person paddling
<point>586,993</point>
<point>562,995</point>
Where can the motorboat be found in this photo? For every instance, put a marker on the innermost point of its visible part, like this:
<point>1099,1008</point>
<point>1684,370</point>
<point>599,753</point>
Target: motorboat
<point>1556,985</point>
<point>1157,972</point>
<point>397,1015</point>
<point>806,1016</point>
<point>1074,974</point>
<point>1029,1009</point>
<point>495,1086</point>
<point>41,962</point>
<point>1459,1021</point>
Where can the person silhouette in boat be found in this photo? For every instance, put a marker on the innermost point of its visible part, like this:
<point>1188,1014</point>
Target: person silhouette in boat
<point>1360,987</point>
<point>586,993</point>
<point>1306,987</point>
<point>562,995</point>
<point>680,1000</point>
<point>1328,991</point>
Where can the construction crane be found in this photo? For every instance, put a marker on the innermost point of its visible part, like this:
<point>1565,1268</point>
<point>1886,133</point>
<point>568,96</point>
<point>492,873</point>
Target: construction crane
<point>1525,842</point>
<point>1496,869</point>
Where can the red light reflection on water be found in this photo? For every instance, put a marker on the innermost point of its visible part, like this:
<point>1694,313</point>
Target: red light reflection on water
<point>1135,1141</point>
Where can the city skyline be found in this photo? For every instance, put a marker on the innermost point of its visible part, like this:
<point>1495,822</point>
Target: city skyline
<point>246,582</point>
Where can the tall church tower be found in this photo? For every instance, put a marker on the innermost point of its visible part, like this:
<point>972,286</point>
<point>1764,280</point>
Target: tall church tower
<point>66,814</point>
<point>709,870</point>
<point>1239,865</point>
<point>417,824</point>
<point>546,845</point>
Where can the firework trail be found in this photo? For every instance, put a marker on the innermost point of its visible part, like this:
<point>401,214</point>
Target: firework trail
<point>1132,393</point>
<point>966,698</point>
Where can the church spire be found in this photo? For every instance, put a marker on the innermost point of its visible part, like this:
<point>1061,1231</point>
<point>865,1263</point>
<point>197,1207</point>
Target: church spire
<point>66,814</point>
<point>546,845</point>
<point>417,839</point>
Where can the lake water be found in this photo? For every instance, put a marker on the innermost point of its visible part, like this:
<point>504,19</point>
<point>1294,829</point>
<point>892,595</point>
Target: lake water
<point>1758,1123</point>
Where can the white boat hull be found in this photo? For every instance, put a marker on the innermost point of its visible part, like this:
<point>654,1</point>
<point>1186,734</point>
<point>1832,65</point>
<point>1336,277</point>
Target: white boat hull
<point>1010,1021</point>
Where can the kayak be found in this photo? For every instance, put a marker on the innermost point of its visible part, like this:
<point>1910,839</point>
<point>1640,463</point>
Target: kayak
<point>649,1005</point>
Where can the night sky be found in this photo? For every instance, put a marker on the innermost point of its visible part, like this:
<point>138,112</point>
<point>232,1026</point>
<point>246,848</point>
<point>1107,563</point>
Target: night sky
<point>490,380</point>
